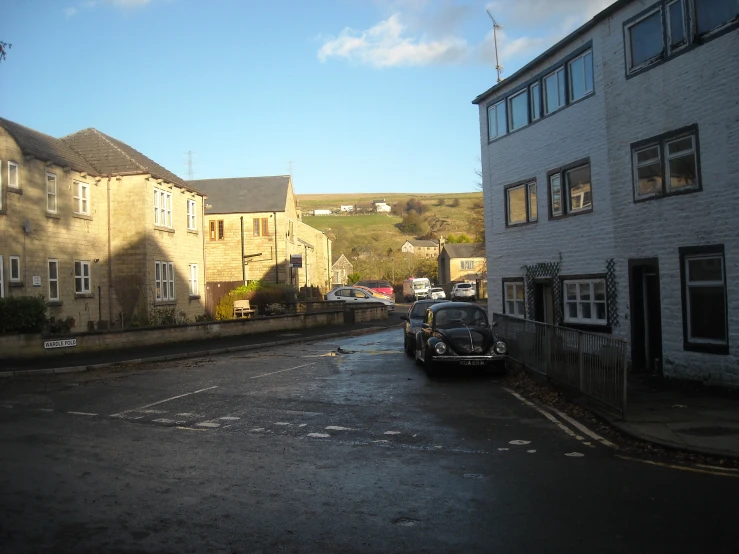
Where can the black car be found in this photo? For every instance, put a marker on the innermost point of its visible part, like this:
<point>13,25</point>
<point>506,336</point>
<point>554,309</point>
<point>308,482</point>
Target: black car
<point>458,334</point>
<point>413,321</point>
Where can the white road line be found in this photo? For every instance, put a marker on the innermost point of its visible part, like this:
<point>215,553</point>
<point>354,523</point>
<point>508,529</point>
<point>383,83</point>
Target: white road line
<point>281,371</point>
<point>546,414</point>
<point>44,409</point>
<point>229,418</point>
<point>208,424</point>
<point>583,429</point>
<point>82,413</point>
<point>163,401</point>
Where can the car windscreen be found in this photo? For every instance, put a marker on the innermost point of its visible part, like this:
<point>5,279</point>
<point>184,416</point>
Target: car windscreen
<point>471,316</point>
<point>464,286</point>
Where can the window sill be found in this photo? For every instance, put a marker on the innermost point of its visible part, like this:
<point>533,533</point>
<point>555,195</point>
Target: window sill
<point>83,295</point>
<point>15,284</point>
<point>54,303</point>
<point>194,296</point>
<point>589,327</point>
<point>82,216</point>
<point>691,190</point>
<point>522,224</point>
<point>193,232</point>
<point>165,302</point>
<point>163,229</point>
<point>706,348</point>
<point>52,215</point>
<point>15,190</point>
<point>569,214</point>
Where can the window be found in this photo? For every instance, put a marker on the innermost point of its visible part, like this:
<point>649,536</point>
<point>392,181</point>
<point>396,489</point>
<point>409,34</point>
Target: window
<point>513,303</point>
<point>676,35</point>
<point>261,227</point>
<point>645,40</point>
<point>265,227</point>
<point>666,165</point>
<point>535,101</point>
<point>712,14</point>
<point>705,325</point>
<point>216,229</point>
<point>82,277</point>
<point>15,269</point>
<point>164,280</point>
<point>51,193</point>
<point>585,301</point>
<point>194,291</point>
<point>581,76</point>
<point>81,198</point>
<point>53,280</point>
<point>162,208</point>
<point>518,110</point>
<point>570,190</point>
<point>554,91</point>
<point>467,265</point>
<point>191,219</point>
<point>521,204</point>
<point>13,181</point>
<point>497,120</point>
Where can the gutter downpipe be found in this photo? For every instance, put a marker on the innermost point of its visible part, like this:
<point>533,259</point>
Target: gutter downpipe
<point>243,265</point>
<point>110,266</point>
<point>277,270</point>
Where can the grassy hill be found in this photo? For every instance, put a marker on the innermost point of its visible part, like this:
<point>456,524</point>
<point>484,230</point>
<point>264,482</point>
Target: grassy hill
<point>375,238</point>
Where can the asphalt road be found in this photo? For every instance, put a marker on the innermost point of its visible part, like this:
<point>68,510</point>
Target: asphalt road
<point>340,446</point>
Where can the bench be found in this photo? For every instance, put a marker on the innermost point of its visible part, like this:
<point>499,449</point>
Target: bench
<point>242,308</point>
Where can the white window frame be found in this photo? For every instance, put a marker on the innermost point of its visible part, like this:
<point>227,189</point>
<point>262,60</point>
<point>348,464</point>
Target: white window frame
<point>55,280</point>
<point>162,208</point>
<point>703,284</point>
<point>518,310</point>
<point>570,208</point>
<point>194,288</point>
<point>667,157</point>
<point>83,278</point>
<point>535,101</point>
<point>14,277</point>
<point>17,184</point>
<point>493,131</point>
<point>662,144</point>
<point>164,281</point>
<point>560,211</point>
<point>52,194</point>
<point>81,198</point>
<point>510,100</point>
<point>467,265</point>
<point>191,215</point>
<point>674,47</point>
<point>559,72</point>
<point>578,301</point>
<point>637,166</point>
<point>570,73</point>
<point>528,187</point>
<point>627,41</point>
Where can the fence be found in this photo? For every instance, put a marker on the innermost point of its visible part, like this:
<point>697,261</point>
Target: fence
<point>593,364</point>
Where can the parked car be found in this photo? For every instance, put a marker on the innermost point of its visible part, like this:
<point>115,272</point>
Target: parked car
<point>413,322</point>
<point>436,293</point>
<point>464,291</point>
<point>456,334</point>
<point>383,287</point>
<point>357,294</point>
<point>373,292</point>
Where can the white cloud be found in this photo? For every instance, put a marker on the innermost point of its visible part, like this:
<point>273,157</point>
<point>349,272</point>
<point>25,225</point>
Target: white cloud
<point>129,3</point>
<point>386,45</point>
<point>69,12</point>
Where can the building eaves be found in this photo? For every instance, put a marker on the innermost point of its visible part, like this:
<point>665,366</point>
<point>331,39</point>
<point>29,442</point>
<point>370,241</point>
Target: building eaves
<point>586,27</point>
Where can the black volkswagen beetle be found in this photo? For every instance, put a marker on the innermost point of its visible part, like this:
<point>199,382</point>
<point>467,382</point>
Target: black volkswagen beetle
<point>458,334</point>
<point>413,321</point>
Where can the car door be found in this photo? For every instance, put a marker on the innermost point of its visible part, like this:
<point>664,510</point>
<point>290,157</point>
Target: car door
<point>426,331</point>
<point>361,296</point>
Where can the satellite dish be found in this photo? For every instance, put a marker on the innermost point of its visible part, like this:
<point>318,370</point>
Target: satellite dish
<point>27,227</point>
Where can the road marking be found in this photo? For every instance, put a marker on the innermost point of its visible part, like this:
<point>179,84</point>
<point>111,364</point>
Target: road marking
<point>165,420</point>
<point>391,433</point>
<point>281,371</point>
<point>208,424</point>
<point>44,409</point>
<point>336,428</point>
<point>229,418</point>
<point>140,408</point>
<point>519,442</point>
<point>188,414</point>
<point>531,451</point>
<point>190,429</point>
<point>501,449</point>
<point>681,468</point>
<point>283,423</point>
<point>82,413</point>
<point>382,440</point>
<point>152,411</point>
<point>583,429</point>
<point>719,468</point>
<point>575,454</point>
<point>319,435</point>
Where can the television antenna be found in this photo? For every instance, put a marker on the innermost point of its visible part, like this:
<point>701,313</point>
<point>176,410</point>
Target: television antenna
<point>496,28</point>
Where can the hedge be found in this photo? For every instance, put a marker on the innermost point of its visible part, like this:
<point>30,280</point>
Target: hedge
<point>22,314</point>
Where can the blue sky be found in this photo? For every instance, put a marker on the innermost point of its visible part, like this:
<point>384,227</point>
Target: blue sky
<point>360,95</point>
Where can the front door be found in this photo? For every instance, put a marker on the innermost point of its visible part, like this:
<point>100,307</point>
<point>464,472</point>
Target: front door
<point>646,315</point>
<point>544,302</point>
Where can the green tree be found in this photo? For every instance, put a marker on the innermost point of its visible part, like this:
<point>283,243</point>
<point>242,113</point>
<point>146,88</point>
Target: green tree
<point>353,278</point>
<point>458,239</point>
<point>427,267</point>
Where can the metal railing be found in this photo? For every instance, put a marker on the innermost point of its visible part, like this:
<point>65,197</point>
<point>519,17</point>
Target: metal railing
<point>593,364</point>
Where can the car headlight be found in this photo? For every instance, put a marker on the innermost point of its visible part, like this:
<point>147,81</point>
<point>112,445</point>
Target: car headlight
<point>440,348</point>
<point>500,347</point>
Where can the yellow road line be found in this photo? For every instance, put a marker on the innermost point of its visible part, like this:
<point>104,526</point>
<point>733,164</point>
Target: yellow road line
<point>682,468</point>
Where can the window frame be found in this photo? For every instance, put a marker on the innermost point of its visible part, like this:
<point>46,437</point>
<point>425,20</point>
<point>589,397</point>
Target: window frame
<point>467,265</point>
<point>81,277</point>
<point>580,321</point>
<point>715,31</point>
<point>628,51</point>
<point>535,106</point>
<point>13,278</point>
<point>162,208</point>
<point>193,283</point>
<point>54,194</point>
<point>570,92</point>
<point>164,281</point>
<point>191,215</point>
<point>669,44</point>
<point>526,185</point>
<point>661,142</point>
<point>563,100</point>
<point>516,282</point>
<point>509,108</point>
<point>265,227</point>
<point>494,107</point>
<point>17,167</point>
<point>256,227</point>
<point>55,280</point>
<point>686,254</point>
<point>564,191</point>
<point>78,199</point>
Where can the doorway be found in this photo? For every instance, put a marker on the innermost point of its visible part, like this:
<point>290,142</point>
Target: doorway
<point>544,302</point>
<point>646,315</point>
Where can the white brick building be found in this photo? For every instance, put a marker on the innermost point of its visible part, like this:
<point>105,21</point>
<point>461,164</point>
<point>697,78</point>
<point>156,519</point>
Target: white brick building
<point>611,172</point>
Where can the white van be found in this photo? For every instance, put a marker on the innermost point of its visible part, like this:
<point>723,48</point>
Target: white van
<point>415,288</point>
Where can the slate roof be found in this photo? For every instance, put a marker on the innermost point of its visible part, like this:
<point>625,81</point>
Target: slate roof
<point>111,156</point>
<point>46,148</point>
<point>465,250</point>
<point>244,195</point>
<point>424,243</point>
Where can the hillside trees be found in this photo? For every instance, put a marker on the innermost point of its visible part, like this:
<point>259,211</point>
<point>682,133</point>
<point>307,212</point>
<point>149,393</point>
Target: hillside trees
<point>414,224</point>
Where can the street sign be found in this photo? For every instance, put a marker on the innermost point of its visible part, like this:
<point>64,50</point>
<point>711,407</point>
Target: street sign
<point>296,260</point>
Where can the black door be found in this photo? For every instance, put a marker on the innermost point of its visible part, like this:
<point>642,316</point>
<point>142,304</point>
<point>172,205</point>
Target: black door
<point>543,302</point>
<point>646,315</point>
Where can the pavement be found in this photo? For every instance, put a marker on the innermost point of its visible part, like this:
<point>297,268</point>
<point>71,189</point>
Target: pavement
<point>675,415</point>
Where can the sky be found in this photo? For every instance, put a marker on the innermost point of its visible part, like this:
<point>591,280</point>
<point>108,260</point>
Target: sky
<point>348,96</point>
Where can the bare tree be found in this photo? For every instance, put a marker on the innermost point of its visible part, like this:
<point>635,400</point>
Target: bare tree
<point>4,47</point>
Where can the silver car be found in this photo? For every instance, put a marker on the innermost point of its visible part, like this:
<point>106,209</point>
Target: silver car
<point>351,295</point>
<point>437,293</point>
<point>464,291</point>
